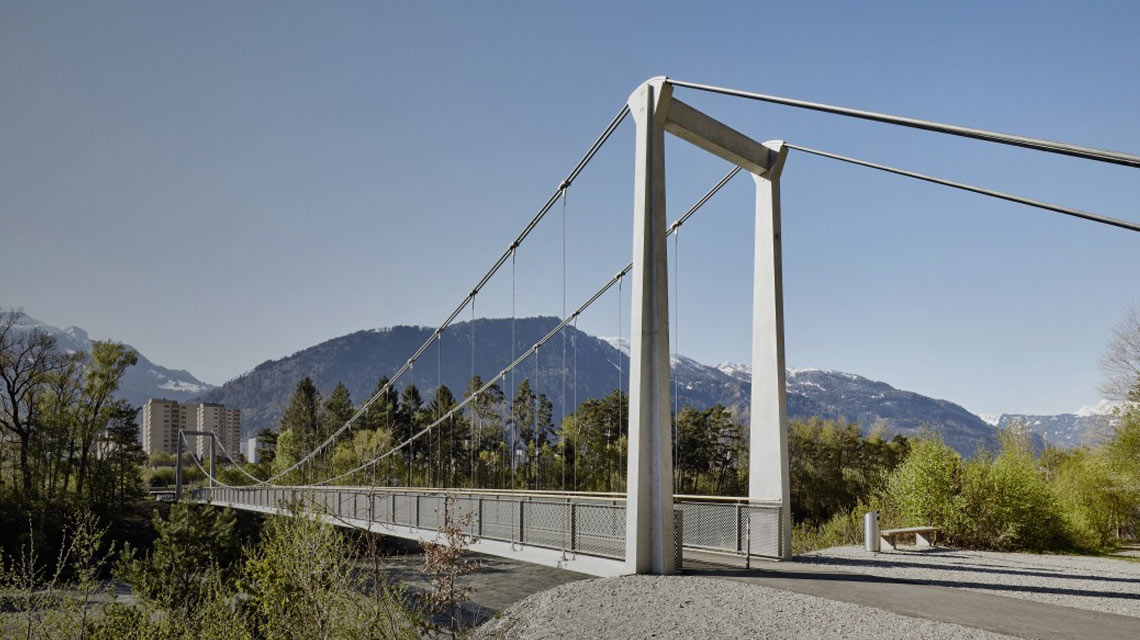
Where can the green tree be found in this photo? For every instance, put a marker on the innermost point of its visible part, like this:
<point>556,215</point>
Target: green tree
<point>58,425</point>
<point>442,454</point>
<point>267,443</point>
<point>26,359</point>
<point>109,361</point>
<point>596,445</point>
<point>488,433</point>
<point>125,455</point>
<point>523,414</point>
<point>299,432</point>
<point>384,411</point>
<point>191,542</point>
<point>411,418</point>
<point>338,409</point>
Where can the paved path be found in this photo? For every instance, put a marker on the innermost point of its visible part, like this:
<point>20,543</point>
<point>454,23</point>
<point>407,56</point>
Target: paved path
<point>498,583</point>
<point>924,599</point>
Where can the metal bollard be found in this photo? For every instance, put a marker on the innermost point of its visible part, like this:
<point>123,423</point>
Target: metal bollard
<point>871,531</point>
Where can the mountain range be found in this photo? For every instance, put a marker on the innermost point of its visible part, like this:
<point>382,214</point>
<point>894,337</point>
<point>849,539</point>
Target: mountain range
<point>1083,426</point>
<point>142,381</point>
<point>594,366</point>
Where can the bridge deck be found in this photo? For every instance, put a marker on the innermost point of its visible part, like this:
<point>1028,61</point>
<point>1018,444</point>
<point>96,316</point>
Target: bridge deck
<point>578,532</point>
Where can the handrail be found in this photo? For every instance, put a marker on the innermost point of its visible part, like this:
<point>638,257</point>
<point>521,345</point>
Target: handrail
<point>518,493</point>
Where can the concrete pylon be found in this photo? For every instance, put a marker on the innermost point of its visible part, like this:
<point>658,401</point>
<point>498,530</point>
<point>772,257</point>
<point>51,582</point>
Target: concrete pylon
<point>768,440</point>
<point>649,498</point>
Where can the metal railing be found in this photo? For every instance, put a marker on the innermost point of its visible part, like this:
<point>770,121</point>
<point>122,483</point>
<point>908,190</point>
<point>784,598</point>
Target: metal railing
<point>590,524</point>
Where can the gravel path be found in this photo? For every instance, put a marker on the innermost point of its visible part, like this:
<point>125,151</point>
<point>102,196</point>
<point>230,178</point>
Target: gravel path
<point>1104,584</point>
<point>697,607</point>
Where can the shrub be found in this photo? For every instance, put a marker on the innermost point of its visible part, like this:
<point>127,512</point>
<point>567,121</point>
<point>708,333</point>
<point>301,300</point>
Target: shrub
<point>1009,505</point>
<point>843,529</point>
<point>926,489</point>
<point>303,582</point>
<point>1087,494</point>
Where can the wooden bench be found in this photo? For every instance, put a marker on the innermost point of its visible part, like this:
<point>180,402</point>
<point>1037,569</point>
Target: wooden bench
<point>921,535</point>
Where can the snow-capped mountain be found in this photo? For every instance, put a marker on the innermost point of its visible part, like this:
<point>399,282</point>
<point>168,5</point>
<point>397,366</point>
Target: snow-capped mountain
<point>142,381</point>
<point>1083,426</point>
<point>736,370</point>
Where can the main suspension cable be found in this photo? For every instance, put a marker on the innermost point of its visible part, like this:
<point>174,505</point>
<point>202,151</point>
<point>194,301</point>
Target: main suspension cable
<point>1077,213</point>
<point>234,462</point>
<point>1037,144</point>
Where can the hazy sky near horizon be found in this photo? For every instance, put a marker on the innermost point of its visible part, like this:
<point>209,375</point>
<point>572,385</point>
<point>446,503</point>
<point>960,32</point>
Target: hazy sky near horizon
<point>223,183</point>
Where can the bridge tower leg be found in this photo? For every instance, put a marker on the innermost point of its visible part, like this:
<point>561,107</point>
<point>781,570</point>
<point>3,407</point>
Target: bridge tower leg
<point>768,444</point>
<point>649,501</point>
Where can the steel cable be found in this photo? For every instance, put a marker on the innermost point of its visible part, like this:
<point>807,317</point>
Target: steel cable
<point>1077,213</point>
<point>1037,144</point>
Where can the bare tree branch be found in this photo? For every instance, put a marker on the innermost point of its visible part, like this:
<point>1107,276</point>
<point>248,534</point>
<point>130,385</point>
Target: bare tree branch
<point>1120,362</point>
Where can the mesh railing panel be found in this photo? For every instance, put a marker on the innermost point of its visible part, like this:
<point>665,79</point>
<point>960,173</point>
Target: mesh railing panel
<point>711,525</point>
<point>500,519</point>
<point>405,510</point>
<point>431,512</point>
<point>382,509</point>
<point>465,511</point>
<point>599,529</point>
<point>546,524</point>
<point>763,530</point>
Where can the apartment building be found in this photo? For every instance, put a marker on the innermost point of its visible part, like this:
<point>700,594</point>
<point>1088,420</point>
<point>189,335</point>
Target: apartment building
<point>163,418</point>
<point>223,422</point>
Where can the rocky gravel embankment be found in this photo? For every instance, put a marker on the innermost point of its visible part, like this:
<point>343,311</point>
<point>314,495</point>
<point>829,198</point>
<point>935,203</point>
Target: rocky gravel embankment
<point>697,607</point>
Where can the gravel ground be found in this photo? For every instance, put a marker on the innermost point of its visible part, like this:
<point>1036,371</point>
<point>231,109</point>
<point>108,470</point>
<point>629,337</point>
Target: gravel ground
<point>1103,584</point>
<point>697,607</point>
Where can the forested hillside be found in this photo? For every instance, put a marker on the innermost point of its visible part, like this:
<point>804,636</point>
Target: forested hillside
<point>359,359</point>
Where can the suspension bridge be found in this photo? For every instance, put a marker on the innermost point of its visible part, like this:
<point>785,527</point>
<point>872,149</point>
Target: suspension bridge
<point>646,528</point>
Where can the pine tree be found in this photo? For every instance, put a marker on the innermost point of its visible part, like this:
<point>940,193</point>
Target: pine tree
<point>126,454</point>
<point>441,457</point>
<point>300,428</point>
<point>545,420</point>
<point>383,413</point>
<point>411,416</point>
<point>486,427</point>
<point>522,414</point>
<point>338,409</point>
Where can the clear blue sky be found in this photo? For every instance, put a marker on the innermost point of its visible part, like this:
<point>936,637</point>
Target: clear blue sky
<point>221,183</point>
